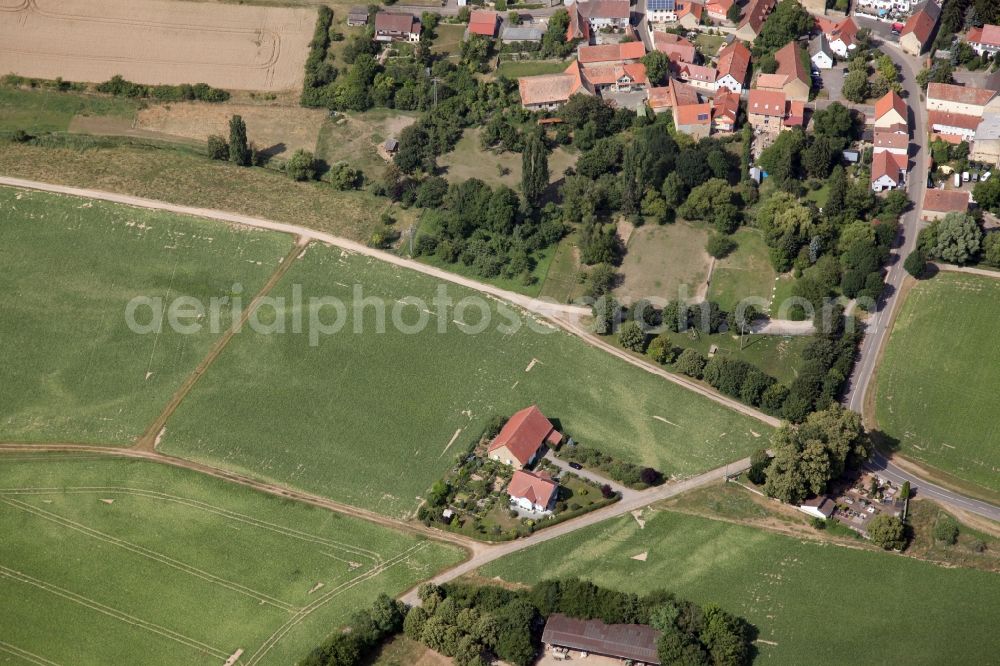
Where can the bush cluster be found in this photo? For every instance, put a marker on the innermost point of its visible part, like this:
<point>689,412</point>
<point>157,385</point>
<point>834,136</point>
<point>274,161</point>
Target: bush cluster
<point>623,472</point>
<point>365,633</point>
<point>185,92</point>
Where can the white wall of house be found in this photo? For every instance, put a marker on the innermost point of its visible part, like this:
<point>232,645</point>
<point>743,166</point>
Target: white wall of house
<point>528,505</point>
<point>728,81</point>
<point>822,61</point>
<point>884,183</point>
<point>964,132</point>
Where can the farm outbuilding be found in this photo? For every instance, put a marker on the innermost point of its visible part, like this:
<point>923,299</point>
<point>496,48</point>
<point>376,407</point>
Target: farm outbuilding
<point>633,642</point>
<point>522,437</point>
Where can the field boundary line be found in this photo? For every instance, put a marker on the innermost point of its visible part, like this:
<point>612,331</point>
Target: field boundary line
<point>122,616</point>
<point>283,630</point>
<point>24,654</point>
<point>203,506</point>
<point>150,554</point>
<point>147,441</point>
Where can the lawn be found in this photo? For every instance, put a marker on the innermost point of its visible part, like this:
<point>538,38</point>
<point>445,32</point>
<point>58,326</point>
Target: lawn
<point>52,111</point>
<point>112,561</point>
<point>73,370</point>
<point>355,137</point>
<point>562,283</point>
<point>185,178</point>
<point>469,160</point>
<point>709,45</point>
<point>514,69</point>
<point>812,602</point>
<point>778,356</point>
<point>449,38</point>
<point>937,385</point>
<point>664,262</point>
<point>746,273</point>
<point>374,419</point>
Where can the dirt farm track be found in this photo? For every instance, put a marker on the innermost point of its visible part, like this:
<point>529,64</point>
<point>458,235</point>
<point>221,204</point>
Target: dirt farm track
<point>156,41</point>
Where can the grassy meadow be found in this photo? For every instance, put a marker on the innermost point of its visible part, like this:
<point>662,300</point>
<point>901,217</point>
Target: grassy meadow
<point>665,262</point>
<point>812,602</point>
<point>937,385</point>
<point>51,110</point>
<point>374,419</point>
<point>194,180</point>
<point>745,273</point>
<point>513,69</point>
<point>136,562</point>
<point>72,370</point>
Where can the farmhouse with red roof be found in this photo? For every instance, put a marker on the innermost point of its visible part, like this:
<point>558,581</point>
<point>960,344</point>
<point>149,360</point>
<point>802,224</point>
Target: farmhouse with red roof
<point>522,437</point>
<point>533,491</point>
<point>482,22</point>
<point>984,40</point>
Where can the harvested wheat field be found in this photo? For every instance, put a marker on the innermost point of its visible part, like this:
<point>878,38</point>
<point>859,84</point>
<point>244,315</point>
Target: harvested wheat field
<point>156,41</point>
<point>272,129</point>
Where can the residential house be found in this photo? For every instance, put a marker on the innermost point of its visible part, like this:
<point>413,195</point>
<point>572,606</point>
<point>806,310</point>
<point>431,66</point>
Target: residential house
<point>820,53</point>
<point>725,110</point>
<point>795,115</point>
<point>357,16</point>
<point>659,98</point>
<point>483,23</point>
<point>754,15</point>
<point>533,491</point>
<point>893,142</point>
<point>393,27</point>
<point>891,113</point>
<point>520,33</point>
<point>523,437</point>
<point>681,94</point>
<point>604,54</point>
<point>842,35</point>
<point>986,145</point>
<point>821,507</point>
<point>550,91</point>
<point>963,100</point>
<point>953,127</point>
<point>695,120</point>
<point>766,110</point>
<point>674,46</point>
<point>917,32</point>
<point>733,67</point>
<point>798,81</point>
<point>689,14</point>
<point>661,11</point>
<point>887,173</point>
<point>698,76</point>
<point>938,203</point>
<point>984,40</point>
<point>604,14</point>
<point>617,78</point>
<point>718,10</point>
<point>631,643</point>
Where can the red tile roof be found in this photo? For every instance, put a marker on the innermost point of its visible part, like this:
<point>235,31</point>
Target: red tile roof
<point>635,642</point>
<point>579,27</point>
<point>659,97</point>
<point>891,140</point>
<point>607,9</point>
<point>611,52</point>
<point>525,433</point>
<point>988,35</point>
<point>771,81</point>
<point>606,75</point>
<point>921,23</point>
<point>536,488</point>
<point>693,8</point>
<point>719,7</point>
<point>796,114</point>
<point>953,120</point>
<point>681,94</point>
<point>845,30</point>
<point>883,164</point>
<point>735,61</point>
<point>693,114</point>
<point>726,105</point>
<point>676,47</point>
<point>790,63</point>
<point>766,102</point>
<point>959,94</point>
<point>946,201</point>
<point>891,100</point>
<point>393,22</point>
<point>482,22</point>
<point>697,72</point>
<point>755,13</point>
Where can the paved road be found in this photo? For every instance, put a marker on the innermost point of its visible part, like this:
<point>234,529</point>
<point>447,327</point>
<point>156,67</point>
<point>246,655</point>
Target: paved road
<point>640,500</point>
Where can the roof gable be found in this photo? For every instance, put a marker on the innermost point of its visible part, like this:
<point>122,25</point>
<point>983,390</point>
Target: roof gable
<point>891,101</point>
<point>735,61</point>
<point>525,432</point>
<point>921,23</point>
<point>536,488</point>
<point>790,63</point>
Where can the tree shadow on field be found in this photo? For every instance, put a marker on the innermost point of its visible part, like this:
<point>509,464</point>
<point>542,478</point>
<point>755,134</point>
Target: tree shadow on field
<point>275,150</point>
<point>884,442</point>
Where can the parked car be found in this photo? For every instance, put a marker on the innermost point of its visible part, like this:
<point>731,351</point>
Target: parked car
<point>965,176</point>
<point>986,176</point>
<point>576,465</point>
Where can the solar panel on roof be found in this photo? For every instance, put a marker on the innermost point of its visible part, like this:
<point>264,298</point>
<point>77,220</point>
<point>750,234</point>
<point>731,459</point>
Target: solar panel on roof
<point>662,5</point>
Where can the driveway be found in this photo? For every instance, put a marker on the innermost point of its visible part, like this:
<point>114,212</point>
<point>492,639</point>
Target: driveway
<point>833,81</point>
<point>593,477</point>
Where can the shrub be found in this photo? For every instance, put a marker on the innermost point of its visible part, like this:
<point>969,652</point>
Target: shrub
<point>887,531</point>
<point>946,530</point>
<point>218,149</point>
<point>720,246</point>
<point>691,363</point>
<point>631,337</point>
<point>916,263</point>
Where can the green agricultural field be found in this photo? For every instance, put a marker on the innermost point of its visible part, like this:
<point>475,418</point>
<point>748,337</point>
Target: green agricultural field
<point>52,111</point>
<point>812,602</point>
<point>72,370</point>
<point>938,382</point>
<point>112,562</point>
<point>373,419</point>
<point>746,273</point>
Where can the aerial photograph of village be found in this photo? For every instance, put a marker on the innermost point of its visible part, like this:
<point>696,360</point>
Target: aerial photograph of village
<point>499,332</point>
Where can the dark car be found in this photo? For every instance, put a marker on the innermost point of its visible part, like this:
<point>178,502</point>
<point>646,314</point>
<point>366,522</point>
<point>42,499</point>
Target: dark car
<point>576,465</point>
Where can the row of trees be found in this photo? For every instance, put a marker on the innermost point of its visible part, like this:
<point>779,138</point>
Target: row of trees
<point>957,238</point>
<point>185,92</point>
<point>368,630</point>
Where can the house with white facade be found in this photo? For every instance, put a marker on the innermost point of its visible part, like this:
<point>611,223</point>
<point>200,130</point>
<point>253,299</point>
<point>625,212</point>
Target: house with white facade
<point>533,491</point>
<point>984,40</point>
<point>820,53</point>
